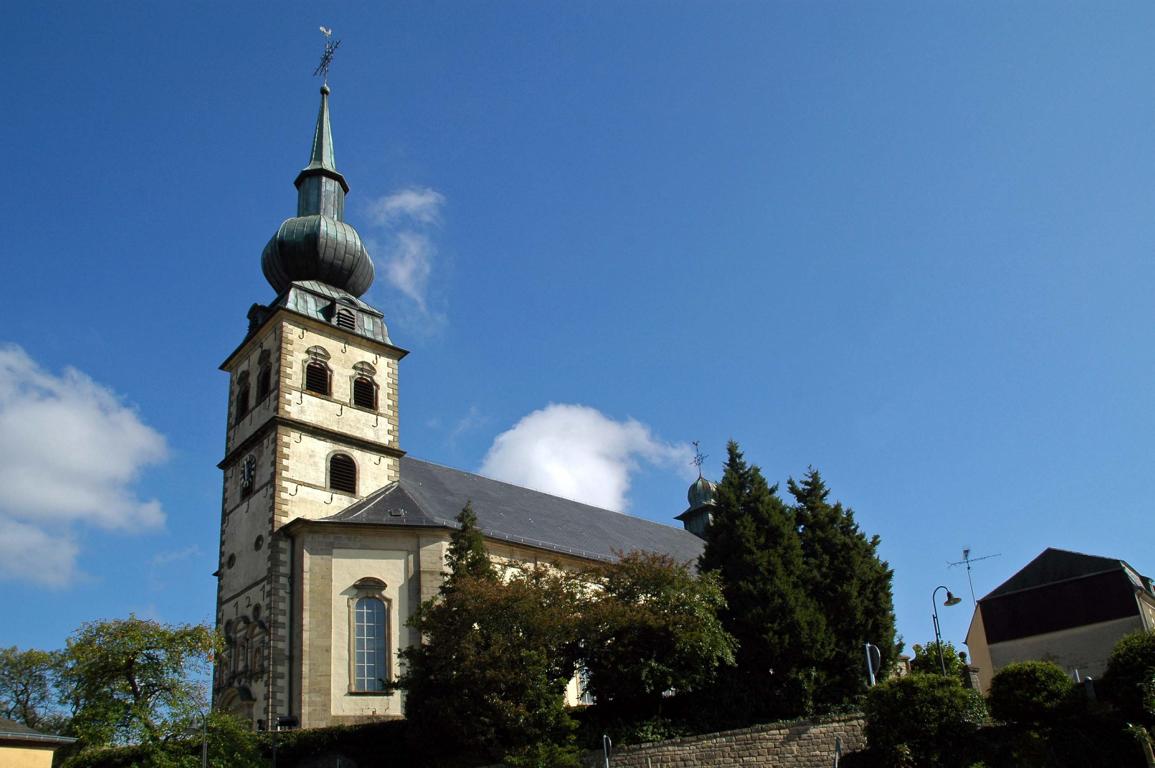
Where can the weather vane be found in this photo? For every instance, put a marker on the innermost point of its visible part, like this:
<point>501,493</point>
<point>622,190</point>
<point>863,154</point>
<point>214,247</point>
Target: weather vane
<point>699,457</point>
<point>331,46</point>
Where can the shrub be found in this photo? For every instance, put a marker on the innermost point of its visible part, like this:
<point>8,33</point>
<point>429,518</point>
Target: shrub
<point>1129,682</point>
<point>1031,693</point>
<point>922,720</point>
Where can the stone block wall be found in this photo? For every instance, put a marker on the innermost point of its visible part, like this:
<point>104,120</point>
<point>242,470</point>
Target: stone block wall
<point>777,745</point>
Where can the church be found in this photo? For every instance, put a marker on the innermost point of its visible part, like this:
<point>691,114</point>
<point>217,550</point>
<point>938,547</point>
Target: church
<point>331,534</point>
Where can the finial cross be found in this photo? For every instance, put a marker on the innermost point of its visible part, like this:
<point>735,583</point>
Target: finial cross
<point>331,46</point>
<point>699,457</point>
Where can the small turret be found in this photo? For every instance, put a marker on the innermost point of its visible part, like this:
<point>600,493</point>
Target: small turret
<point>698,516</point>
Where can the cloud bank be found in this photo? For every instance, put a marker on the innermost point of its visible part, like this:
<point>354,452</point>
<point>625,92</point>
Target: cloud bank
<point>577,452</point>
<point>70,452</point>
<point>409,217</point>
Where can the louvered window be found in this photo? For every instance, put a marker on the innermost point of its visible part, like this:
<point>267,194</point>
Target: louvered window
<point>364,392</point>
<point>317,378</point>
<point>242,405</point>
<point>343,474</point>
<point>263,381</point>
<point>346,320</point>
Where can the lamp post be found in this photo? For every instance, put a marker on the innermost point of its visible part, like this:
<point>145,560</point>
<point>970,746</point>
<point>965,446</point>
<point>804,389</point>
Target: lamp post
<point>950,600</point>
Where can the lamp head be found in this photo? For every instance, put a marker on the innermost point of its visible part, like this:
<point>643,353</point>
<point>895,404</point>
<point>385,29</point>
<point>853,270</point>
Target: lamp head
<point>951,599</point>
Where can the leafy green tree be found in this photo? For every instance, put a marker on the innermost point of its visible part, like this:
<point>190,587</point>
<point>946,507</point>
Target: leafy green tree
<point>134,680</point>
<point>753,545</point>
<point>1033,694</point>
<point>491,674</point>
<point>926,660</point>
<point>922,720</point>
<point>650,627</point>
<point>1129,681</point>
<point>851,585</point>
<point>28,688</point>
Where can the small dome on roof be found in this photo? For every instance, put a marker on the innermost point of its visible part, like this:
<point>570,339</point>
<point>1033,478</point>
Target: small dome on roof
<point>318,248</point>
<point>701,492</point>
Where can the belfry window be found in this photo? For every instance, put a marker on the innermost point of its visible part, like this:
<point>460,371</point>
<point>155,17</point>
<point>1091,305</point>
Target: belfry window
<point>364,393</point>
<point>369,642</point>
<point>343,474</point>
<point>346,320</point>
<point>317,377</point>
<point>242,402</point>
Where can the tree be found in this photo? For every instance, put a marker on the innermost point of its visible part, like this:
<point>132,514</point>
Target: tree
<point>926,660</point>
<point>491,674</point>
<point>1031,694</point>
<point>134,680</point>
<point>651,627</point>
<point>1129,681</point>
<point>922,720</point>
<point>467,553</point>
<point>753,545</point>
<point>851,586</point>
<point>28,688</point>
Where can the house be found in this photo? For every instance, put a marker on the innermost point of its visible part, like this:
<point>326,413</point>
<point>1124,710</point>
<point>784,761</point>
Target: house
<point>23,747</point>
<point>330,534</point>
<point>1065,607</point>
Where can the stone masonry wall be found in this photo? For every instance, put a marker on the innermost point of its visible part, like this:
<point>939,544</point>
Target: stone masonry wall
<point>778,745</point>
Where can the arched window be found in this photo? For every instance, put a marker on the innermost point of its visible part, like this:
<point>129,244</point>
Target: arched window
<point>343,474</point>
<point>364,393</point>
<point>369,642</point>
<point>242,403</point>
<point>317,377</point>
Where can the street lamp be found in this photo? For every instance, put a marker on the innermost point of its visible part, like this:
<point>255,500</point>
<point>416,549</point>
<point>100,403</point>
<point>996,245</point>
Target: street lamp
<point>950,600</point>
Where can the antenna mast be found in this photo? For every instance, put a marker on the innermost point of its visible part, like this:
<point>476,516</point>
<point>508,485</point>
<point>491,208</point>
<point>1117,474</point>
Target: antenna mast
<point>967,560</point>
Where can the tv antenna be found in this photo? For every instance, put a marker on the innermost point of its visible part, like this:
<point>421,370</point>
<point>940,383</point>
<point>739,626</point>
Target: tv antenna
<point>967,560</point>
<point>699,457</point>
<point>331,46</point>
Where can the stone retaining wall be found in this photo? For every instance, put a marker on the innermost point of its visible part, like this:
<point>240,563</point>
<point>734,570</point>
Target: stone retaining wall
<point>777,745</point>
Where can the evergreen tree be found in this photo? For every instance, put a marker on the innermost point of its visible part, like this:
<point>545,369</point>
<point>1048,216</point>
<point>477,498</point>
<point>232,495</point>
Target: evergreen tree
<point>489,678</point>
<point>753,545</point>
<point>467,553</point>
<point>851,586</point>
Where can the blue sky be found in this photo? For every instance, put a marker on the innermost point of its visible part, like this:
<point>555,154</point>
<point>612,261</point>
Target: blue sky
<point>909,244</point>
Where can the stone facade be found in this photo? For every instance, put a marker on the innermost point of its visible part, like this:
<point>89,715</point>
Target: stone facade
<point>777,745</point>
<point>277,449</point>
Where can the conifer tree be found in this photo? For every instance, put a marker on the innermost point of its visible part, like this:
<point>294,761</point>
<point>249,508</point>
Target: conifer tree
<point>851,586</point>
<point>753,545</point>
<point>467,553</point>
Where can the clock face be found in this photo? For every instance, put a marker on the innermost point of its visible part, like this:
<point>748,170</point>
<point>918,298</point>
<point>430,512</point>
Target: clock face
<point>248,473</point>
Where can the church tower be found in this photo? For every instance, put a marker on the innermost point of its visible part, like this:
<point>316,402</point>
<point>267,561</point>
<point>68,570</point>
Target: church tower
<point>312,427</point>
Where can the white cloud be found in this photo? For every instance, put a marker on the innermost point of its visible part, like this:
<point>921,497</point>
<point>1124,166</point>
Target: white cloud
<point>409,264</point>
<point>28,553</point>
<point>414,204</point>
<point>577,452</point>
<point>408,218</point>
<point>70,452</point>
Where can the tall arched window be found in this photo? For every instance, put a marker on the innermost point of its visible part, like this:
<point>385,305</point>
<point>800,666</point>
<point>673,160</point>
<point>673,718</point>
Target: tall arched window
<point>364,393</point>
<point>242,403</point>
<point>317,377</point>
<point>343,474</point>
<point>369,643</point>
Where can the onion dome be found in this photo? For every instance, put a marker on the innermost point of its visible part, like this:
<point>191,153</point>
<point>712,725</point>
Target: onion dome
<point>317,244</point>
<point>701,493</point>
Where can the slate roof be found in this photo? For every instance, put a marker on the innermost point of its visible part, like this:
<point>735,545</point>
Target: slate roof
<point>1054,565</point>
<point>10,731</point>
<point>430,495</point>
